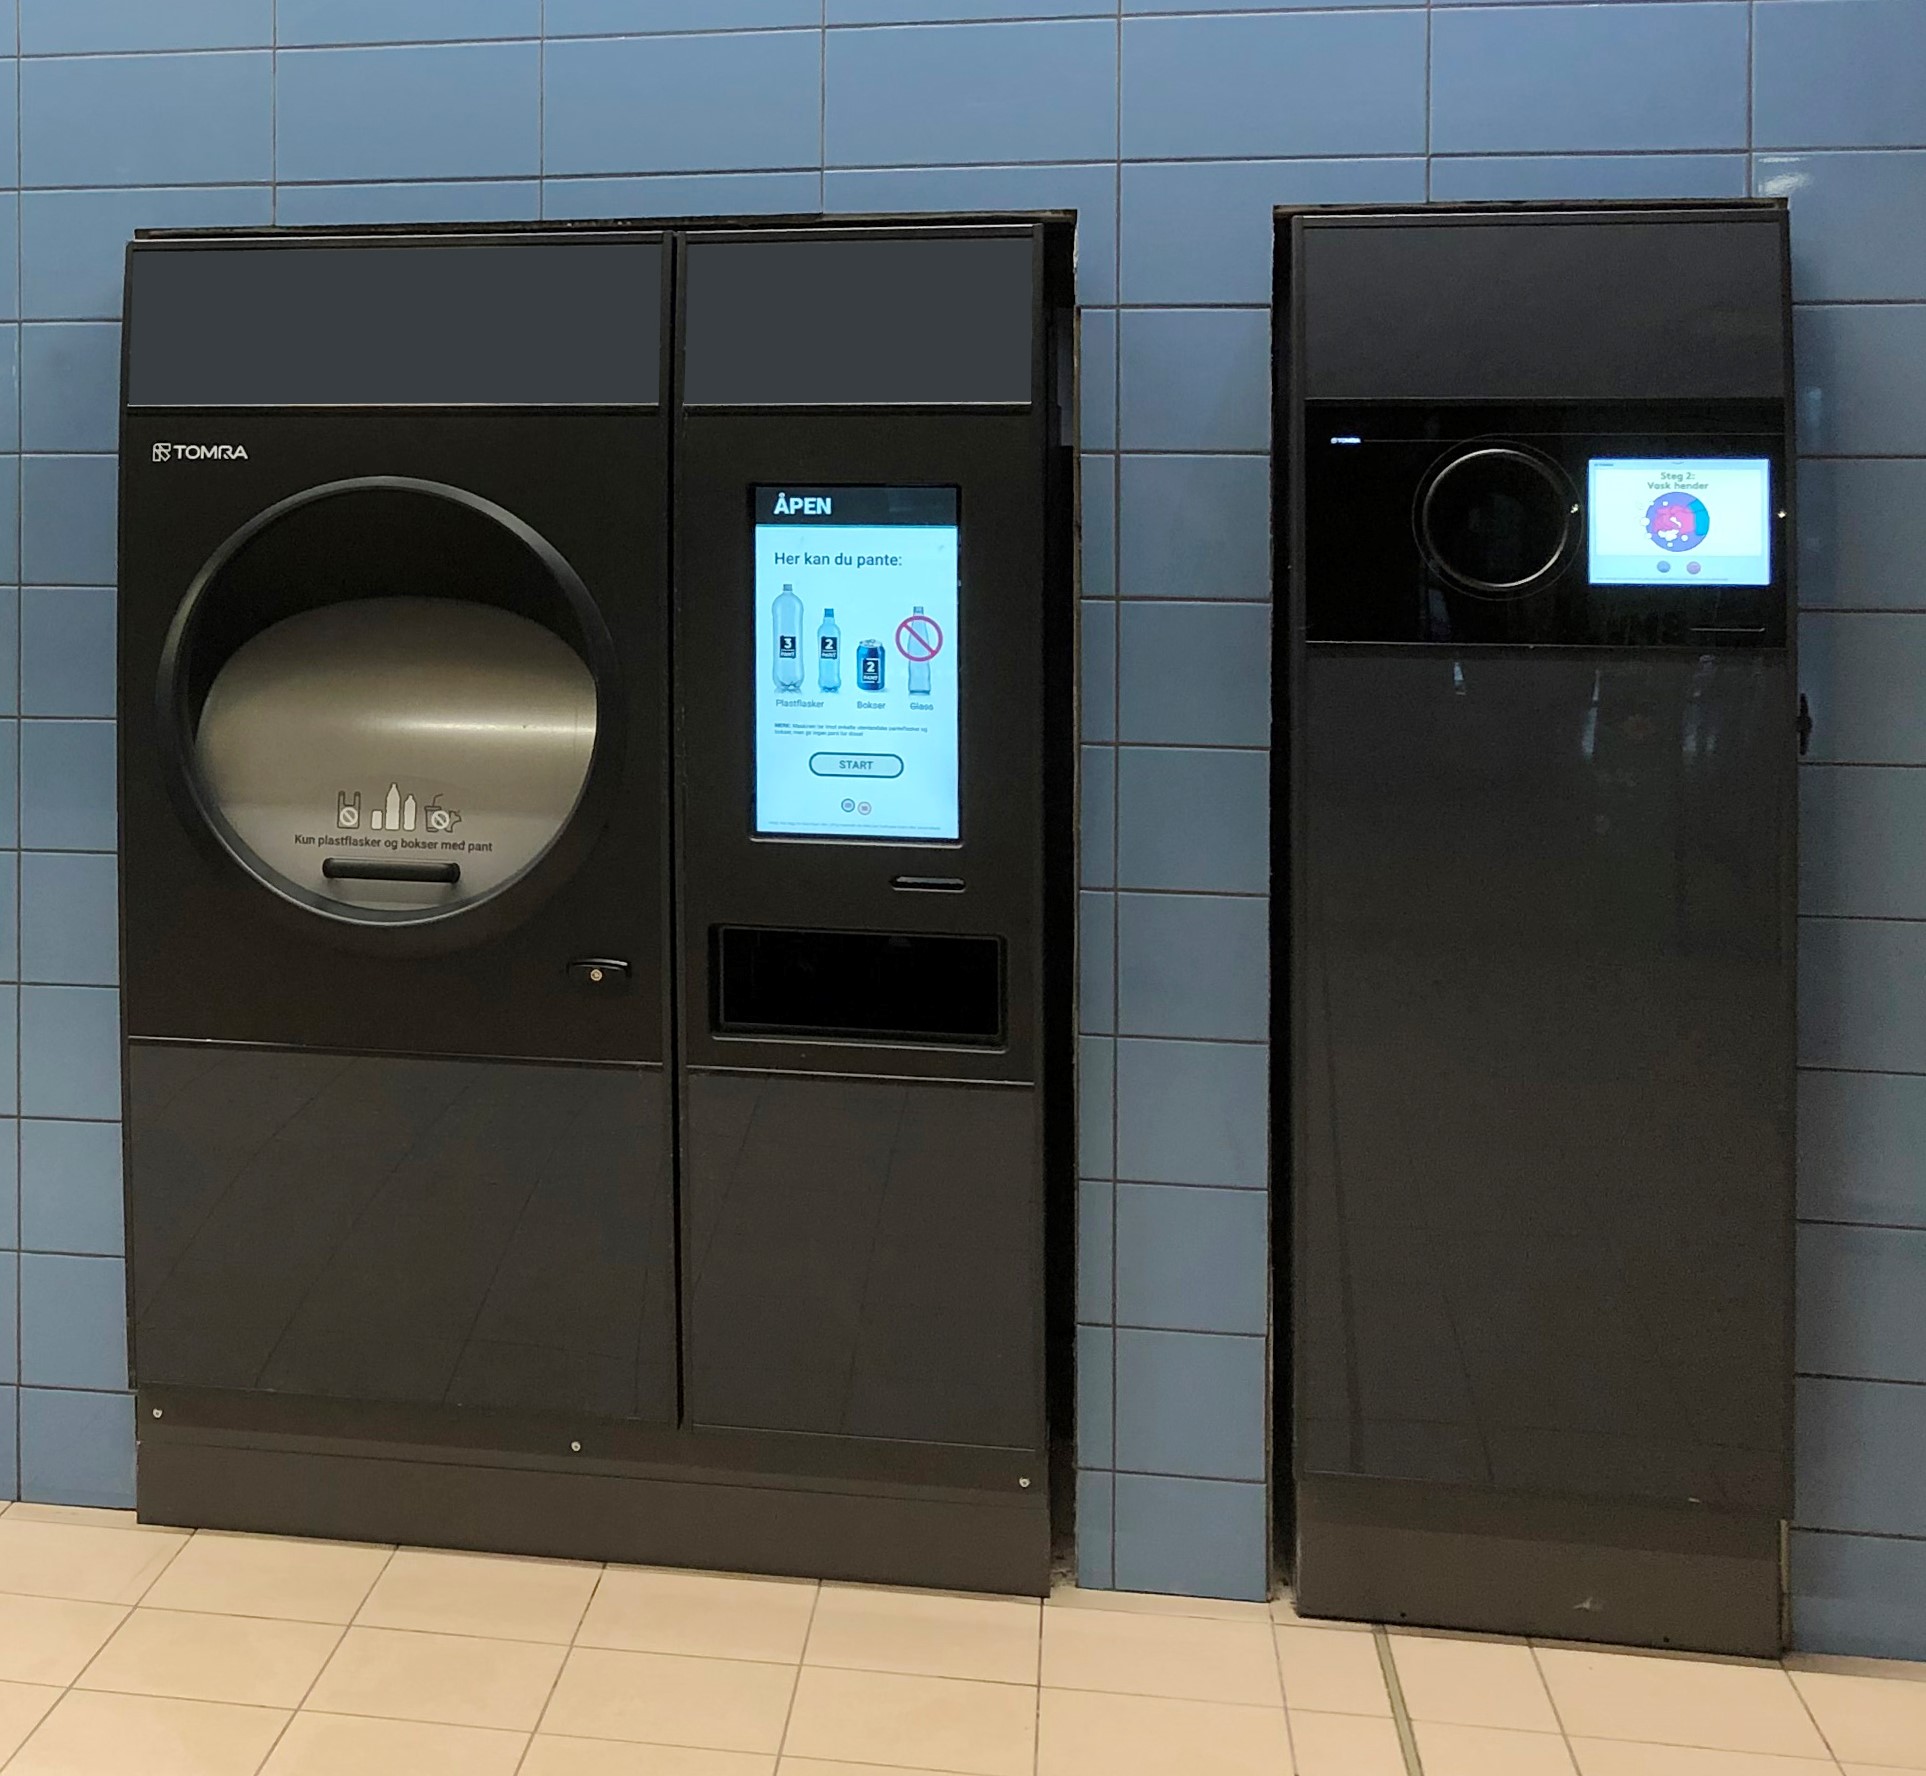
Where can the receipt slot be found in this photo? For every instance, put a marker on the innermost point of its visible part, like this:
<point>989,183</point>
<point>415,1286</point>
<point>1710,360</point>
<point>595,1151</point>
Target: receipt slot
<point>1534,913</point>
<point>393,782</point>
<point>875,688</point>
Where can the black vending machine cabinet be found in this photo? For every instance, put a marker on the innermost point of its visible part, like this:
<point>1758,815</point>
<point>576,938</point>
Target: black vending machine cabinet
<point>1535,762</point>
<point>875,708</point>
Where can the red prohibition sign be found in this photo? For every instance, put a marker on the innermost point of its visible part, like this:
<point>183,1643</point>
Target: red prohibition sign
<point>919,638</point>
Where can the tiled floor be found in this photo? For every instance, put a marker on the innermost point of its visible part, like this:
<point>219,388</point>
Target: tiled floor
<point>127,1651</point>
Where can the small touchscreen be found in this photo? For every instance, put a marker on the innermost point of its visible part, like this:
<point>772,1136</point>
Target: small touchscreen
<point>856,662</point>
<point>1659,520</point>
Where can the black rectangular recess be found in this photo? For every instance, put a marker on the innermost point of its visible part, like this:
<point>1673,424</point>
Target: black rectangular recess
<point>433,321</point>
<point>858,985</point>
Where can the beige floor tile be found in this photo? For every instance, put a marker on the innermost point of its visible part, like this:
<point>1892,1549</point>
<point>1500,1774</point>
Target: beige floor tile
<point>1469,1682</point>
<point>89,1734</point>
<point>1868,1720</point>
<point>44,1558</point>
<point>794,1766</point>
<point>1152,1603</point>
<point>700,1615</point>
<point>1332,1673</point>
<point>926,1633</point>
<point>1081,1733</point>
<point>552,1755</point>
<point>498,1596</point>
<point>1193,1658</point>
<point>48,1640</point>
<point>212,1658</point>
<point>1490,1751</point>
<point>22,1708</point>
<point>248,1575</point>
<point>1345,1745</point>
<point>1721,1705</point>
<point>1883,1769</point>
<point>456,1680</point>
<point>339,1745</point>
<point>663,1699</point>
<point>1619,1757</point>
<point>928,1723</point>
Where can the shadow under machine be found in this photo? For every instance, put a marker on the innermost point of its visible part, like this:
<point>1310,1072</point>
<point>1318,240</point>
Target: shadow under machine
<point>435,1236</point>
<point>1537,744</point>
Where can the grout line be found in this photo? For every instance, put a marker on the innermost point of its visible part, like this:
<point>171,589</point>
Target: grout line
<point>795,1684</point>
<point>1400,1715</point>
<point>1538,1665</point>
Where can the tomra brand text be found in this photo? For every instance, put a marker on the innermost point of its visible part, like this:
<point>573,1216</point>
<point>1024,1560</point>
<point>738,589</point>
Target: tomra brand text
<point>814,505</point>
<point>200,453</point>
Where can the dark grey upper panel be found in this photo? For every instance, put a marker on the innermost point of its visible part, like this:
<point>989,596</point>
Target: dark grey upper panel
<point>808,321</point>
<point>1543,305</point>
<point>511,322</point>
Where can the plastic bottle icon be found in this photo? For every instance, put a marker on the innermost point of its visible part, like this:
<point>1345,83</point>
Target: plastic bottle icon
<point>829,653</point>
<point>919,670</point>
<point>789,619</point>
<point>869,666</point>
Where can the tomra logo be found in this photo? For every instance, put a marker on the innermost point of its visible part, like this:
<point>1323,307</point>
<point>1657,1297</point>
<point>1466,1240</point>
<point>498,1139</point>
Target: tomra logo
<point>814,506</point>
<point>200,453</point>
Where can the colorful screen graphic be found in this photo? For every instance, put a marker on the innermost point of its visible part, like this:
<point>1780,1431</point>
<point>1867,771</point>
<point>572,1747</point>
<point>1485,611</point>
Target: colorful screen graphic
<point>1655,520</point>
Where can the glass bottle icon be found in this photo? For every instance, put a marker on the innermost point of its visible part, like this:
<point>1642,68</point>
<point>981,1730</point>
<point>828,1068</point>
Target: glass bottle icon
<point>789,619</point>
<point>829,653</point>
<point>919,670</point>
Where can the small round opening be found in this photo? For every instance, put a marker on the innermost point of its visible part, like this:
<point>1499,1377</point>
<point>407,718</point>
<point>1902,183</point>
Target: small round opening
<point>387,700</point>
<point>1497,520</point>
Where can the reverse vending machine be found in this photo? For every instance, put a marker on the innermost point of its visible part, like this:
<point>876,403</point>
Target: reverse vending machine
<point>1534,782</point>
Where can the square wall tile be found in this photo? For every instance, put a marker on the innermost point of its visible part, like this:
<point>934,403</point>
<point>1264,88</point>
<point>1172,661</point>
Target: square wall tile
<point>1192,1259</point>
<point>9,1443</point>
<point>1193,819</point>
<point>1862,379</point>
<point>9,1316</point>
<point>70,386</point>
<point>1097,370</point>
<point>904,12</point>
<point>60,27</point>
<point>1858,1595</point>
<point>1097,793</point>
<point>1862,534</point>
<point>1860,1138</point>
<point>1551,79</point>
<point>944,95</point>
<point>1857,669</point>
<point>1096,1511</point>
<point>1098,539</point>
<point>1099,701</point>
<point>70,1187</point>
<point>1096,963</point>
<point>1274,87</point>
<point>1857,1004</point>
<point>1096,1251</point>
<point>9,920</point>
<point>9,1184</point>
<point>1859,1295</point>
<point>1193,1113</point>
<point>10,388</point>
<point>1200,230</point>
<point>67,520</point>
<point>681,194</point>
<point>405,21</point>
<point>1193,965</point>
<point>435,112</point>
<point>1857,1463</point>
<point>9,253</point>
<point>458,200</point>
<point>9,653</point>
<point>1469,178</point>
<point>67,653</point>
<point>153,119</point>
<point>69,918</point>
<point>9,783</point>
<point>1097,1105</point>
<point>1852,215</point>
<point>1204,1538</point>
<point>9,517</point>
<point>1194,674</point>
<point>9,1055</point>
<point>1839,74</point>
<point>77,1449</point>
<point>70,1052</point>
<point>676,104</point>
<point>1191,1403</point>
<point>67,785</point>
<point>1862,841</point>
<point>1195,379</point>
<point>1096,1414</point>
<point>578,18</point>
<point>73,1322</point>
<point>73,244</point>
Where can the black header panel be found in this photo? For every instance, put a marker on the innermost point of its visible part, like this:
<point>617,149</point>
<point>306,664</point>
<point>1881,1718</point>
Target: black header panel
<point>801,321</point>
<point>395,323</point>
<point>1662,303</point>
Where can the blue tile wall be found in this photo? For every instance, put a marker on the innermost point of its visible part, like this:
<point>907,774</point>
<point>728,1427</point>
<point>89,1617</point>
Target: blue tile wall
<point>1171,129</point>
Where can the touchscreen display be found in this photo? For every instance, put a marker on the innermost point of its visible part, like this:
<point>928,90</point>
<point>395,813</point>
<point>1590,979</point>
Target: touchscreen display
<point>856,662</point>
<point>1655,520</point>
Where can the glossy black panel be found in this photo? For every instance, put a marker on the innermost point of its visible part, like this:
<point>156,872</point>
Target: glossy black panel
<point>879,986</point>
<point>1542,1066</point>
<point>863,1258</point>
<point>428,1231</point>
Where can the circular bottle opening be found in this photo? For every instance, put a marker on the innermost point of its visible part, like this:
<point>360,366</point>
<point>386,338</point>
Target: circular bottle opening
<point>1498,520</point>
<point>391,703</point>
